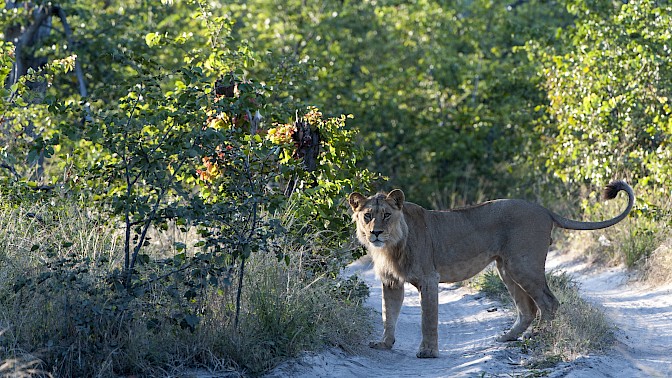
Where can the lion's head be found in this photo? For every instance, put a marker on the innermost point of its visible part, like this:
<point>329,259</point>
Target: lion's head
<point>379,218</point>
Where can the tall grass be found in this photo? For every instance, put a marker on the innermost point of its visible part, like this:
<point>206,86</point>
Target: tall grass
<point>286,313</point>
<point>578,328</point>
<point>658,267</point>
<point>61,316</point>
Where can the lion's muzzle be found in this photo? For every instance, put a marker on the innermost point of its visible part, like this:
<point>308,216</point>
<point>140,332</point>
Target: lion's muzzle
<point>375,238</point>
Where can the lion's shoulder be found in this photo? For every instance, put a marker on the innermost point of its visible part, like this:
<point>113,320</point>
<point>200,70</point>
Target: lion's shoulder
<point>415,215</point>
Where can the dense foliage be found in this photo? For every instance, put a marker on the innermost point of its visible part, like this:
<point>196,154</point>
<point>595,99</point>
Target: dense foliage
<point>444,100</point>
<point>609,98</point>
<point>168,134</point>
<point>245,124</point>
<point>164,138</point>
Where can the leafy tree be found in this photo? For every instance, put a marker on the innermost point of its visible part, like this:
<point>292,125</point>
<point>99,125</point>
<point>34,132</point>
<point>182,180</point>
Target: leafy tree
<point>441,93</point>
<point>173,131</point>
<point>609,102</point>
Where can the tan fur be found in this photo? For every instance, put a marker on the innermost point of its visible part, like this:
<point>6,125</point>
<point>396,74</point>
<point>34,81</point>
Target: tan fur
<point>423,247</point>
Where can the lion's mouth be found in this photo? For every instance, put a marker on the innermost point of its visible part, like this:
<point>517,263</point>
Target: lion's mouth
<point>378,243</point>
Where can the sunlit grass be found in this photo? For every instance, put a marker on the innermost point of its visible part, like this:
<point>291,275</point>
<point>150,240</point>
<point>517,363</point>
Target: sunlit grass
<point>658,267</point>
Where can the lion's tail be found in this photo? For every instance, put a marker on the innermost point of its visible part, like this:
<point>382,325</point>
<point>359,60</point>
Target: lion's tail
<point>610,192</point>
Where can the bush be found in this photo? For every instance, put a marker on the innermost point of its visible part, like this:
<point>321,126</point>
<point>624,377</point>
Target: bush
<point>610,122</point>
<point>189,146</point>
<point>288,310</point>
<point>58,304</point>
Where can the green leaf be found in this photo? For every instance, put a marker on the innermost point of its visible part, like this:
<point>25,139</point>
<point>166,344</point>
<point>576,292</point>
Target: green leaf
<point>152,39</point>
<point>179,259</point>
<point>190,322</point>
<point>143,259</point>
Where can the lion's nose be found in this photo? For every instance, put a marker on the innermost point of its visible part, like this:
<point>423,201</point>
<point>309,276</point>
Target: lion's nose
<point>376,233</point>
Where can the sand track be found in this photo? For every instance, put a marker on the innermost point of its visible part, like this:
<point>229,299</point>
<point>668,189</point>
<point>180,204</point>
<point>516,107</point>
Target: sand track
<point>469,324</point>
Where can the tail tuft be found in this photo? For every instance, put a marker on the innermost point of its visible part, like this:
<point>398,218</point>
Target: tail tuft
<point>611,190</point>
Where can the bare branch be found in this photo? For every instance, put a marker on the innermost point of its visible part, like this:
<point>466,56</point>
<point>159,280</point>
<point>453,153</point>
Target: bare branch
<point>78,67</point>
<point>10,169</point>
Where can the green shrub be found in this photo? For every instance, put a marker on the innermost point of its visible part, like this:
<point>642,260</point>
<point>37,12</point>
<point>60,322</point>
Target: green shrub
<point>59,306</point>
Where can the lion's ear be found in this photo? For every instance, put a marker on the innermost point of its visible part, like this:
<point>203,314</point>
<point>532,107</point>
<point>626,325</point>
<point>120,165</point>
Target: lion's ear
<point>397,198</point>
<point>356,201</point>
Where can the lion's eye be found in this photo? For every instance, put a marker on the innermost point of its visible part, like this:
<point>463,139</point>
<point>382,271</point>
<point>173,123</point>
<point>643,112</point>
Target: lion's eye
<point>367,217</point>
<point>387,216</point>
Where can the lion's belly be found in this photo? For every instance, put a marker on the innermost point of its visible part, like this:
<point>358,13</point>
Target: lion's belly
<point>462,270</point>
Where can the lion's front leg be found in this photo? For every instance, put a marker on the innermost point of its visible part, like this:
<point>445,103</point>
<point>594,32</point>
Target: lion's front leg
<point>429,301</point>
<point>393,297</point>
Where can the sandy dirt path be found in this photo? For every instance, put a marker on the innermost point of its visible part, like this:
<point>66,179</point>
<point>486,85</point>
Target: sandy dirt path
<point>469,324</point>
<point>641,314</point>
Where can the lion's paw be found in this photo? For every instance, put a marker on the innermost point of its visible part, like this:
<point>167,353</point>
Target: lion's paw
<point>427,353</point>
<point>506,337</point>
<point>380,345</point>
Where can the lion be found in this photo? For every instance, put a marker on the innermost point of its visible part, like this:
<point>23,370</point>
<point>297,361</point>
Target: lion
<point>408,243</point>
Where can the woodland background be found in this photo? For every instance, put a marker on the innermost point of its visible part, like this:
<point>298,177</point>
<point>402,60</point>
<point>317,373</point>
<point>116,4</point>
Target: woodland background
<point>160,157</point>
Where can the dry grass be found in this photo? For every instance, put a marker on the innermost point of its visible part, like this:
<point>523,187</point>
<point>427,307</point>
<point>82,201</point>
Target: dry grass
<point>20,365</point>
<point>658,267</point>
<point>16,368</point>
<point>579,327</point>
<point>287,310</point>
<point>56,307</point>
<point>642,245</point>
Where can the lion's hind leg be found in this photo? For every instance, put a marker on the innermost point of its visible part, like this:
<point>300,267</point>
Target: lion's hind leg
<point>532,281</point>
<point>548,310</point>
<point>525,306</point>
<point>538,289</point>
